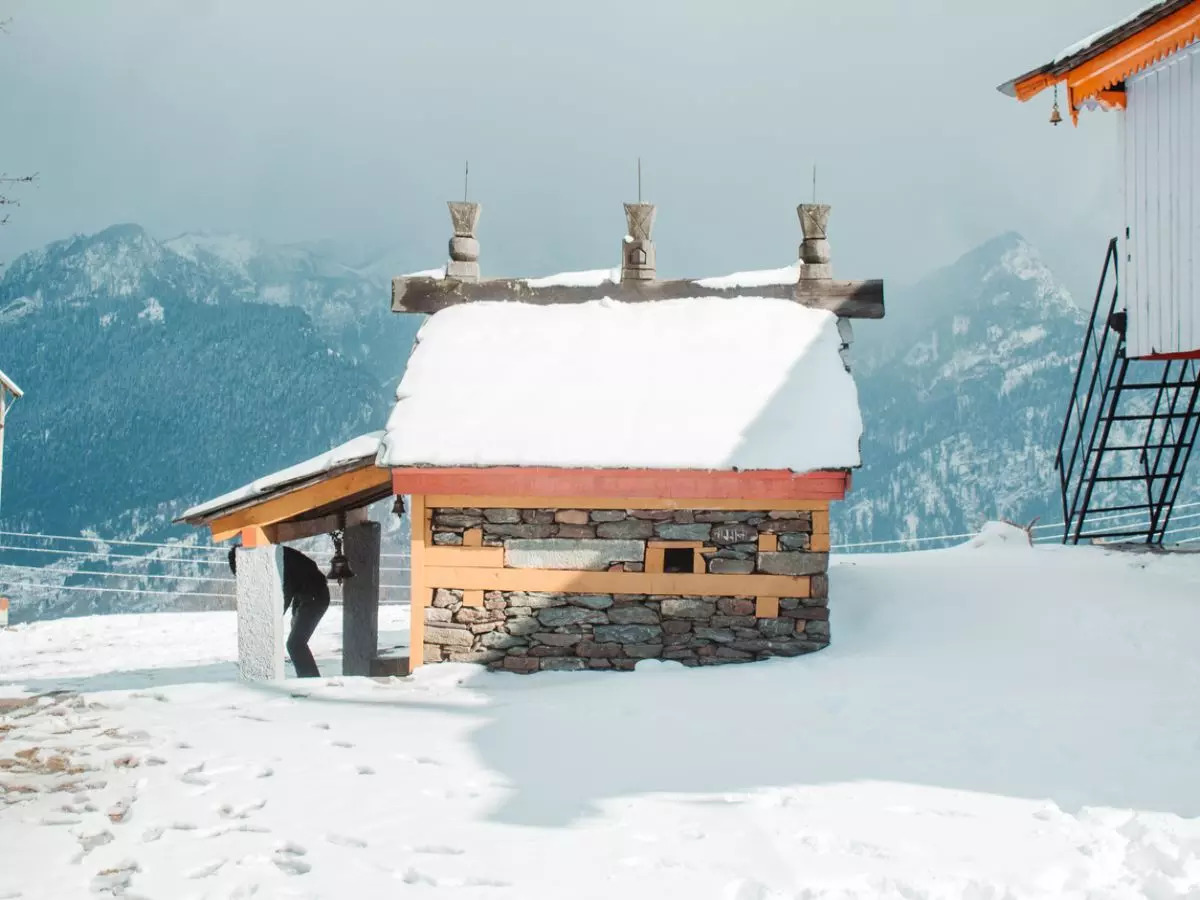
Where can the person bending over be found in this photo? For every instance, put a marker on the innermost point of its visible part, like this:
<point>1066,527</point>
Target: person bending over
<point>306,592</point>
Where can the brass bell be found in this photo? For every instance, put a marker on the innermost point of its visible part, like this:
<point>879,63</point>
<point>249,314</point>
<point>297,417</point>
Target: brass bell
<point>1055,115</point>
<point>339,566</point>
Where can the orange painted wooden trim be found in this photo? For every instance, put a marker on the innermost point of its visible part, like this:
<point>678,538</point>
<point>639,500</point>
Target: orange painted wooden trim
<point>473,537</point>
<point>460,501</point>
<point>1186,354</point>
<point>753,487</point>
<point>562,581</point>
<point>300,501</point>
<point>766,607</point>
<point>473,598</point>
<point>478,557</point>
<point>819,543</point>
<point>820,522</point>
<point>419,595</point>
<point>768,543</point>
<point>254,536</point>
<point>1094,77</point>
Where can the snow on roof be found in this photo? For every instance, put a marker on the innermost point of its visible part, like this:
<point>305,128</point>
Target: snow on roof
<point>700,383</point>
<point>1091,39</point>
<point>11,385</point>
<point>359,448</point>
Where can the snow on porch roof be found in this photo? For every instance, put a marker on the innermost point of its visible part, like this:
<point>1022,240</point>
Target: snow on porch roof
<point>703,383</point>
<point>360,450</point>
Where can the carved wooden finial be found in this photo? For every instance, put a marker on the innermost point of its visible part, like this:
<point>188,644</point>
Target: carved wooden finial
<point>464,246</point>
<point>637,254</point>
<point>814,250</point>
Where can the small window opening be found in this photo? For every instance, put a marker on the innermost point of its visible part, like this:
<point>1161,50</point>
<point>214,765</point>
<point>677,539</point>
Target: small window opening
<point>678,559</point>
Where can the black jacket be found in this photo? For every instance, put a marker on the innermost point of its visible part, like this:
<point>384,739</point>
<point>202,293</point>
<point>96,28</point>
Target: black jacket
<point>303,580</point>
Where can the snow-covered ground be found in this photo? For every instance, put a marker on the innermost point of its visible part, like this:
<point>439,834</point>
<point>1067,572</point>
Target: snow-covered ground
<point>993,721</point>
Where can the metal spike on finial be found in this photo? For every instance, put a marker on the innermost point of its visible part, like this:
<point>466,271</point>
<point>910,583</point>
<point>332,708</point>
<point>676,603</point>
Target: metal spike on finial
<point>814,182</point>
<point>639,179</point>
<point>466,179</point>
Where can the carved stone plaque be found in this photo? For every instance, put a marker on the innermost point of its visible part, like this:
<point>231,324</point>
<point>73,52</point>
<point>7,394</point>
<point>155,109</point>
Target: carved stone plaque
<point>734,534</point>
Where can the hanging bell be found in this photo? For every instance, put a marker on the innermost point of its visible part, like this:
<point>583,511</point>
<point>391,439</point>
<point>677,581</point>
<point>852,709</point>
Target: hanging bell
<point>1055,115</point>
<point>339,566</point>
<point>398,507</point>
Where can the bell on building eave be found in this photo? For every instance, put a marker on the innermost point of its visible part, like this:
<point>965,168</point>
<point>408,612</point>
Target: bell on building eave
<point>1055,115</point>
<point>339,566</point>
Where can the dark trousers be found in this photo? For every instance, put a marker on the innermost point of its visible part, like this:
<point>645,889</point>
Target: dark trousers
<point>306,615</point>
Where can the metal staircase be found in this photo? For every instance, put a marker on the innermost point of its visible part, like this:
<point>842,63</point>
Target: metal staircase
<point>1128,434</point>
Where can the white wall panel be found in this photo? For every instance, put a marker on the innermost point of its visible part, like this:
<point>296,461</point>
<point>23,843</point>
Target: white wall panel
<point>1161,151</point>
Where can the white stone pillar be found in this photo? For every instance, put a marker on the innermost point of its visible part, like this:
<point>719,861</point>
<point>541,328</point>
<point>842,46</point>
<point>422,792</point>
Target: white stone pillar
<point>360,599</point>
<point>260,612</point>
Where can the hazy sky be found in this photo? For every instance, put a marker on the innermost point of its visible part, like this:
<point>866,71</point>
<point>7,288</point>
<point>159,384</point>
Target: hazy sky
<point>351,119</point>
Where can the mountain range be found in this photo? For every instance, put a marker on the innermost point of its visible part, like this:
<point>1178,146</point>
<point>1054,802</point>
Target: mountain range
<point>162,372</point>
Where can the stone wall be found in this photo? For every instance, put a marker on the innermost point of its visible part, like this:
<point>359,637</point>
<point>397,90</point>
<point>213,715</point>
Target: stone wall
<point>528,631</point>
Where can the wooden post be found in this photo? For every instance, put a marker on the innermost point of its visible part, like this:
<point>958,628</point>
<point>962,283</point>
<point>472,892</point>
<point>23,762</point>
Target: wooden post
<point>418,594</point>
<point>360,599</point>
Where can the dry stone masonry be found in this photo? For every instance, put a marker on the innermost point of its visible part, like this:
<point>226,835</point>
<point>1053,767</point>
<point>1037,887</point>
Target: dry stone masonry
<point>529,632</point>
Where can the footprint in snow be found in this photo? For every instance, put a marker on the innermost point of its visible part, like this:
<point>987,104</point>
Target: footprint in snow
<point>264,772</point>
<point>116,879</point>
<point>287,859</point>
<point>364,770</point>
<point>150,835</point>
<point>206,870</point>
<point>228,811</point>
<point>324,726</point>
<point>346,745</point>
<point>439,849</point>
<point>343,840</point>
<point>193,776</point>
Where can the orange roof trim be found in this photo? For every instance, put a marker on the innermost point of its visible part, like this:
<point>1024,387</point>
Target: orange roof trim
<point>513,481</point>
<point>1098,72</point>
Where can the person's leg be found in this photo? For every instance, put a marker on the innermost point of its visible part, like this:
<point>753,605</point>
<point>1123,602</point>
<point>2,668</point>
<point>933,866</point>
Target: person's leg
<point>306,615</point>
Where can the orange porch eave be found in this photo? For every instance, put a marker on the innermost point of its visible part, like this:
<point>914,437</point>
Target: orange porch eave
<point>1095,77</point>
<point>513,481</point>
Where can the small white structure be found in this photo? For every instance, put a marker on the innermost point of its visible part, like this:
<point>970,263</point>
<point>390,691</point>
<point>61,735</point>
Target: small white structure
<point>1147,69</point>
<point>9,392</point>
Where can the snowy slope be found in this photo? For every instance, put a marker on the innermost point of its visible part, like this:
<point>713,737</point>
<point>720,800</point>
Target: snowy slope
<point>990,722</point>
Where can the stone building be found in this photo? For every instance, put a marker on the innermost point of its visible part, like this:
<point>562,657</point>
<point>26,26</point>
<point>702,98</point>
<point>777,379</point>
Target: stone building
<point>604,467</point>
<point>600,467</point>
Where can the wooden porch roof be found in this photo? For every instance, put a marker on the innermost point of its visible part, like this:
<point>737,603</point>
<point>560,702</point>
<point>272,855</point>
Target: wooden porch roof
<point>1097,70</point>
<point>302,501</point>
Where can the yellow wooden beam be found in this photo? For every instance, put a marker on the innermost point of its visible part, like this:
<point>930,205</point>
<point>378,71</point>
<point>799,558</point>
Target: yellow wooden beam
<point>419,595</point>
<point>473,537</point>
<point>253,536</point>
<point>300,501</point>
<point>473,598</point>
<point>766,607</point>
<point>485,557</point>
<point>768,543</point>
<point>461,501</point>
<point>558,580</point>
<point>819,543</point>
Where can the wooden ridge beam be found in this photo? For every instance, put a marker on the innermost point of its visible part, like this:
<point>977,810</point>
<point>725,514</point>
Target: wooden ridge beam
<point>851,299</point>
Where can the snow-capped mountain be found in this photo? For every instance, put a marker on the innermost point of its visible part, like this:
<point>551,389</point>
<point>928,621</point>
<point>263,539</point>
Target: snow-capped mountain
<point>155,378</point>
<point>964,386</point>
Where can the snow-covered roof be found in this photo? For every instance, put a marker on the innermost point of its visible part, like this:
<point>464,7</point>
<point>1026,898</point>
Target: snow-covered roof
<point>1098,42</point>
<point>358,449</point>
<point>10,385</point>
<point>700,383</point>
